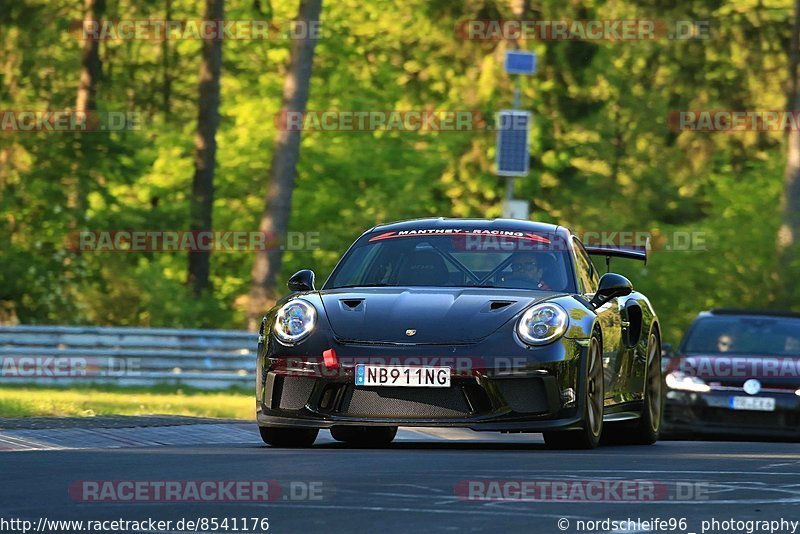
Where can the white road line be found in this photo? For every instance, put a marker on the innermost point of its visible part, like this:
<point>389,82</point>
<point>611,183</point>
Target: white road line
<point>523,472</point>
<point>418,487</point>
<point>460,510</point>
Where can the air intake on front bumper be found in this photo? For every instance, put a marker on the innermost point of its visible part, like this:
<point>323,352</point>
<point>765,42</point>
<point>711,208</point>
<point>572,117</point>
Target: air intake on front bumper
<point>405,402</point>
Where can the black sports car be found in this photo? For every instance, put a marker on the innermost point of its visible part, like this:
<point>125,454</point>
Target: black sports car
<point>736,372</point>
<point>496,325</point>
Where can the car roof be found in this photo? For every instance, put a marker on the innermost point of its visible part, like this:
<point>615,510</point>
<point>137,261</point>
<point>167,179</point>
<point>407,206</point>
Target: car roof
<point>517,225</point>
<point>744,312</point>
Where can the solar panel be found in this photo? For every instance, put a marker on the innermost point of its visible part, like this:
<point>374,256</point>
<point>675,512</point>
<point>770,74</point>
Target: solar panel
<point>520,62</point>
<point>513,157</point>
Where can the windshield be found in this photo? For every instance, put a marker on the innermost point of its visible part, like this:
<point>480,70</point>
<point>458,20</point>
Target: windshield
<point>525,261</point>
<point>744,335</point>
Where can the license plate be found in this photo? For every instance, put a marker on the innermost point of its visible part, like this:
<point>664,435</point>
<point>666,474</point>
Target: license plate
<point>402,376</point>
<point>759,404</point>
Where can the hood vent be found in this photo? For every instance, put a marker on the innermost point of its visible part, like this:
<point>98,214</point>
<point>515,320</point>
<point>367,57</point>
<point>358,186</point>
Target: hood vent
<point>499,304</point>
<point>352,304</point>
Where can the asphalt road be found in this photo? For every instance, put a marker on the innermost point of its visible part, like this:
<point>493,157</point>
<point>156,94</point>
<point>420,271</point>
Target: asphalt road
<point>418,484</point>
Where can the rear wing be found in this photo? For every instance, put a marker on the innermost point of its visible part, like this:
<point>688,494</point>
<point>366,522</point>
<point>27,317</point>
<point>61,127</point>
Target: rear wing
<point>617,251</point>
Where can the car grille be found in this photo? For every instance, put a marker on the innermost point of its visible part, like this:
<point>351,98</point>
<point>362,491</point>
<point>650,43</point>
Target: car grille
<point>405,402</point>
<point>739,418</point>
<point>523,394</point>
<point>293,391</point>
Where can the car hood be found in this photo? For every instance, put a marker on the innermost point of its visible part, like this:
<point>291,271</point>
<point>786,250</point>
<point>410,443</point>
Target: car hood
<point>436,315</point>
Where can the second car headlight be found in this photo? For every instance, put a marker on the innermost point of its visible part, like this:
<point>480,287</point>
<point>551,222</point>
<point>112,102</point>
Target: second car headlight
<point>295,320</point>
<point>542,324</point>
<point>684,382</point>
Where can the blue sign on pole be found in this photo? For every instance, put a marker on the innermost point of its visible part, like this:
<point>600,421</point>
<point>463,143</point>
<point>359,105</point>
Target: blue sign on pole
<point>513,155</point>
<point>520,62</point>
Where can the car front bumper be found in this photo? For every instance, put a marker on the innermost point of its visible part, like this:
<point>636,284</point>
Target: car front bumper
<point>710,413</point>
<point>541,389</point>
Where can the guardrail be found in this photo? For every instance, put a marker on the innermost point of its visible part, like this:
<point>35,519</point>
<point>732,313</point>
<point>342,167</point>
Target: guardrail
<point>68,355</point>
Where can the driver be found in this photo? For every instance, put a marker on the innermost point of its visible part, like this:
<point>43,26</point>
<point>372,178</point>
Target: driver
<point>724,343</point>
<point>526,271</point>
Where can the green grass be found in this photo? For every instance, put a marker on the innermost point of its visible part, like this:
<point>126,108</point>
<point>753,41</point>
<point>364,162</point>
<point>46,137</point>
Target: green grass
<point>88,401</point>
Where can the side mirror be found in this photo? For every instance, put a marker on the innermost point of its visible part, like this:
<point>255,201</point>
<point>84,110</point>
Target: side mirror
<point>302,281</point>
<point>611,286</point>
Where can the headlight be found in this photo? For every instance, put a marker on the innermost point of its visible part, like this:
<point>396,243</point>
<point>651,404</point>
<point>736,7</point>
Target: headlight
<point>542,324</point>
<point>295,320</point>
<point>684,382</point>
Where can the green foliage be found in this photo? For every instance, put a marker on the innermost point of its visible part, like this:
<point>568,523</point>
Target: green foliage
<point>602,155</point>
<point>91,400</point>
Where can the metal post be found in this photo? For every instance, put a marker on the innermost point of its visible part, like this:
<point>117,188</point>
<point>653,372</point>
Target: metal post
<point>517,63</point>
<point>509,179</point>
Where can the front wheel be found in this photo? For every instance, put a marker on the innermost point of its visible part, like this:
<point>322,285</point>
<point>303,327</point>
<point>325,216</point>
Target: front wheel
<point>364,436</point>
<point>646,429</point>
<point>649,426</point>
<point>288,437</point>
<point>587,437</point>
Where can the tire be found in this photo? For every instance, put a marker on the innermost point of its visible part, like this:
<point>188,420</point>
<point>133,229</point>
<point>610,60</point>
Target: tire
<point>288,437</point>
<point>364,436</point>
<point>587,437</point>
<point>647,428</point>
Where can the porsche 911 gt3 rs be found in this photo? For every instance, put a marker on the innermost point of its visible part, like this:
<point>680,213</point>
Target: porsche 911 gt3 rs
<point>493,325</point>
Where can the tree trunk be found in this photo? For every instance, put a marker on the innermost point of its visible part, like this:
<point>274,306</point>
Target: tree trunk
<point>278,201</point>
<point>91,66</point>
<point>166,73</point>
<point>789,232</point>
<point>86,103</point>
<point>205,146</point>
